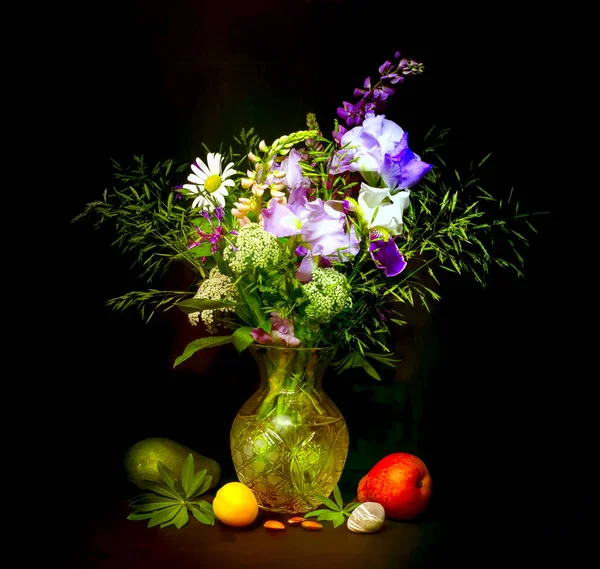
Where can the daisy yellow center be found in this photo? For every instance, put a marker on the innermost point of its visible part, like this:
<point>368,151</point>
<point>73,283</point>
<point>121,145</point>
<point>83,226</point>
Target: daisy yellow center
<point>213,183</point>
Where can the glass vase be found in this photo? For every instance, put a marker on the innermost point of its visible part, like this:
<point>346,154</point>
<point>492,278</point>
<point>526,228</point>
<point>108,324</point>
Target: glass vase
<point>289,442</point>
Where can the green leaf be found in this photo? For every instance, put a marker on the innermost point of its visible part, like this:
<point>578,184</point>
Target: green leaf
<point>146,498</point>
<point>349,507</point>
<point>140,516</point>
<point>329,503</point>
<point>155,506</point>
<point>163,516</point>
<point>201,344</point>
<point>251,299</point>
<point>205,506</point>
<point>202,250</point>
<point>181,518</point>
<point>204,487</point>
<point>162,489</point>
<point>179,489</point>
<point>166,475</point>
<point>187,473</point>
<point>339,520</point>
<point>196,483</point>
<point>338,497</point>
<point>191,305</point>
<point>330,515</point>
<point>242,338</point>
<point>201,515</point>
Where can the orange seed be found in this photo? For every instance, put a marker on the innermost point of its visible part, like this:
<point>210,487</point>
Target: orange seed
<point>295,521</point>
<point>312,526</point>
<point>273,524</point>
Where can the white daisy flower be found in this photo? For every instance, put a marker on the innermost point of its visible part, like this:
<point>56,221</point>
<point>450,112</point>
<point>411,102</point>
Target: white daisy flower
<point>209,182</point>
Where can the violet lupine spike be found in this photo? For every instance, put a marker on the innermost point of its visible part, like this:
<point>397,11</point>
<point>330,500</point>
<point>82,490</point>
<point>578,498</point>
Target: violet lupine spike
<point>353,115</point>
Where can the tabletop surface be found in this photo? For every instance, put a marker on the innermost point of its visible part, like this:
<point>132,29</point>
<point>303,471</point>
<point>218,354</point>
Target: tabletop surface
<point>114,542</point>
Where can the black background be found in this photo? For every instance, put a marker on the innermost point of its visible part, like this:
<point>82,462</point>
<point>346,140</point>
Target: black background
<point>497,372</point>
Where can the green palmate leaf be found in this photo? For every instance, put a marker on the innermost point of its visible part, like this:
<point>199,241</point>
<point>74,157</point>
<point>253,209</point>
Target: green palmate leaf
<point>327,515</point>
<point>349,507</point>
<point>181,518</point>
<point>163,516</point>
<point>198,304</point>
<point>313,514</point>
<point>242,338</point>
<point>338,497</point>
<point>187,473</point>
<point>201,344</point>
<point>179,488</point>
<point>199,484</point>
<point>146,498</point>
<point>173,509</point>
<point>155,506</point>
<point>201,515</point>
<point>330,515</point>
<point>329,503</point>
<point>161,489</point>
<point>140,516</point>
<point>204,506</point>
<point>166,475</point>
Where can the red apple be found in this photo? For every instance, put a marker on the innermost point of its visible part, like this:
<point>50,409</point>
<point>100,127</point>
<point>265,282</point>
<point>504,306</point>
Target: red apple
<point>400,482</point>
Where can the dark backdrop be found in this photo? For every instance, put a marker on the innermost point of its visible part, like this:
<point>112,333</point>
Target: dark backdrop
<point>489,394</point>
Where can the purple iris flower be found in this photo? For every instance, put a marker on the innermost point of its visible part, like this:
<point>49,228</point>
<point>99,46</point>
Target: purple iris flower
<point>282,332</point>
<point>380,147</point>
<point>321,224</point>
<point>280,220</point>
<point>325,226</point>
<point>403,168</point>
<point>386,254</point>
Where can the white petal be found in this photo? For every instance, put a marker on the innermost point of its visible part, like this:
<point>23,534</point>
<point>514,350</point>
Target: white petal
<point>198,180</point>
<point>200,165</point>
<point>191,187</point>
<point>228,183</point>
<point>199,201</point>
<point>229,171</point>
<point>220,199</point>
<point>199,172</point>
<point>214,163</point>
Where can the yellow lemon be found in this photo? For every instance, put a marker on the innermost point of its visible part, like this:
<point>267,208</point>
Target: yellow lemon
<point>235,505</point>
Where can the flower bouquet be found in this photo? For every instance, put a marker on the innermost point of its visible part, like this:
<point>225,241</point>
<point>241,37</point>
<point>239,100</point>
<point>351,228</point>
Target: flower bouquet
<point>309,242</point>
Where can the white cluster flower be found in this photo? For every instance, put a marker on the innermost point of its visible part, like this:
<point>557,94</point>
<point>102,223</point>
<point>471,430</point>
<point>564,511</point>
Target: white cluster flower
<point>216,287</point>
<point>328,294</point>
<point>253,248</point>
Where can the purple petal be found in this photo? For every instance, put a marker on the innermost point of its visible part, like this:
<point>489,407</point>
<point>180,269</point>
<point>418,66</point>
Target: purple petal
<point>280,220</point>
<point>387,256</point>
<point>260,336</point>
<point>282,330</point>
<point>308,264</point>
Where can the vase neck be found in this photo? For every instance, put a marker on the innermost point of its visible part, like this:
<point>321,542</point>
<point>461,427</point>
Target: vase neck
<point>292,369</point>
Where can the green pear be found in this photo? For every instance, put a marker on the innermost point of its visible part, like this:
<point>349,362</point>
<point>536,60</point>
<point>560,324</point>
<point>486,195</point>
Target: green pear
<point>141,461</point>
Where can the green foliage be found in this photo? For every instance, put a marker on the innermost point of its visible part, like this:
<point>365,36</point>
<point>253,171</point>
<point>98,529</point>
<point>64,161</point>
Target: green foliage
<point>454,226</point>
<point>171,499</point>
<point>150,224</point>
<point>336,512</point>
